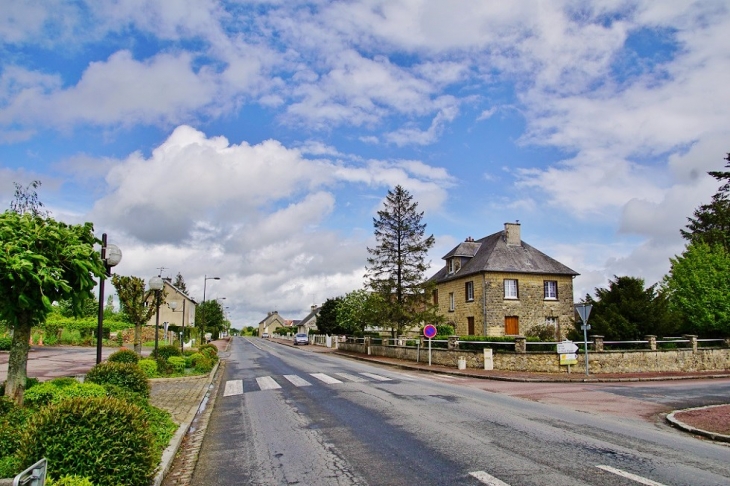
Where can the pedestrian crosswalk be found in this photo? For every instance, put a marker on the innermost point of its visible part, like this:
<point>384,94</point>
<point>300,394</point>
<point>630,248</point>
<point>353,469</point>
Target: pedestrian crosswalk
<point>262,383</point>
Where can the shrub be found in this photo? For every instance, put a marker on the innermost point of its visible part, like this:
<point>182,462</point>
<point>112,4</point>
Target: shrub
<point>209,345</point>
<point>209,351</point>
<point>116,391</point>
<point>9,466</point>
<point>544,332</point>
<point>70,480</point>
<point>60,389</point>
<point>124,355</point>
<point>104,438</point>
<point>445,330</point>
<point>70,336</point>
<point>5,342</point>
<point>194,358</point>
<point>50,340</point>
<point>12,421</point>
<point>148,366</point>
<point>177,363</point>
<point>126,375</point>
<point>166,351</point>
<point>203,365</point>
<point>29,382</point>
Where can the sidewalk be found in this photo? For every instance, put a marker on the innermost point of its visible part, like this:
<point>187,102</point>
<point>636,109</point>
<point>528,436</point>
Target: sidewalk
<point>711,422</point>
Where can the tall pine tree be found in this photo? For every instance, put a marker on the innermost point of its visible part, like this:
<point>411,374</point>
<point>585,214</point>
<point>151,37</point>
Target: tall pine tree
<point>179,283</point>
<point>397,264</point>
<point>711,222</point>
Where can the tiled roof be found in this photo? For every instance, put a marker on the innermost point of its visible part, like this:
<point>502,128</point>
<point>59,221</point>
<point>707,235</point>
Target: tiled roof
<point>492,254</point>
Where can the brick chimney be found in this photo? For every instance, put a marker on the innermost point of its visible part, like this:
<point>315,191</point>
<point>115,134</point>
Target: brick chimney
<point>512,233</point>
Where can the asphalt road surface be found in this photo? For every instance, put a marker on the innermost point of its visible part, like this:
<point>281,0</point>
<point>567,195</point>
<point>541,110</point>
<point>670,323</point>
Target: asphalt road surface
<point>289,416</point>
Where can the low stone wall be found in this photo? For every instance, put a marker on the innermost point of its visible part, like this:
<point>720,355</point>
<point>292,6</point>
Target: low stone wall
<point>634,361</point>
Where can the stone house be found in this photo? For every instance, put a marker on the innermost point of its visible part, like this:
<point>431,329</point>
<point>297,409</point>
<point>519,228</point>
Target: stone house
<point>178,308</point>
<point>499,285</point>
<point>309,321</point>
<point>269,324</point>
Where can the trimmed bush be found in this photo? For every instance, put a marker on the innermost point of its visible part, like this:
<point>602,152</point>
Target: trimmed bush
<point>177,363</point>
<point>124,355</point>
<point>60,389</point>
<point>104,438</point>
<point>70,480</point>
<point>203,365</point>
<point>9,467</point>
<point>166,351</point>
<point>209,350</point>
<point>5,342</point>
<point>126,375</point>
<point>12,421</point>
<point>148,366</point>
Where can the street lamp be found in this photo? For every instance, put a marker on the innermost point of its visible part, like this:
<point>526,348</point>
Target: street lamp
<point>205,282</point>
<point>173,305</point>
<point>111,255</point>
<point>156,284</point>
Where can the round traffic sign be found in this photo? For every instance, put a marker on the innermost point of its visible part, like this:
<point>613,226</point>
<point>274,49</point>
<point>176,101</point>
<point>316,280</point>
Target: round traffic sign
<point>430,331</point>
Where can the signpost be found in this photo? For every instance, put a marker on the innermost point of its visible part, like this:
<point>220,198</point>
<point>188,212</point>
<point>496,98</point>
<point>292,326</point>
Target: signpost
<point>567,352</point>
<point>584,310</point>
<point>429,331</point>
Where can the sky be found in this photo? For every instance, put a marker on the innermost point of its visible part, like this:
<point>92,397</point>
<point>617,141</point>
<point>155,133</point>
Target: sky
<point>255,140</point>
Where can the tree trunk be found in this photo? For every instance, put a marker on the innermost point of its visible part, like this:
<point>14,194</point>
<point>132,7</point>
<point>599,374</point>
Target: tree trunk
<point>18,360</point>
<point>138,339</point>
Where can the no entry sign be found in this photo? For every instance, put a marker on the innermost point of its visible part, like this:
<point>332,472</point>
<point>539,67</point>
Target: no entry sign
<point>429,331</point>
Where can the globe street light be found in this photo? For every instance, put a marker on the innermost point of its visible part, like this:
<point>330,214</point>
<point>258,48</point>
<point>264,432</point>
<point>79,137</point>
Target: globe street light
<point>156,284</point>
<point>111,255</point>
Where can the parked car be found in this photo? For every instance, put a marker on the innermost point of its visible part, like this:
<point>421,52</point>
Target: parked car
<point>301,339</point>
<point>265,335</point>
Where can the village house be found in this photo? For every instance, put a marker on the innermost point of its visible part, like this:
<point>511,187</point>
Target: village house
<point>270,323</point>
<point>499,285</point>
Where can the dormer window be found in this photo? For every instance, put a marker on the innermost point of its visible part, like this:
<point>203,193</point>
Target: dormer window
<point>454,264</point>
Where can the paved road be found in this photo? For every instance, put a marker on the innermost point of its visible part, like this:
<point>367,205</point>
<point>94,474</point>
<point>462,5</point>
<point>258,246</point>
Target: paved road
<point>288,416</point>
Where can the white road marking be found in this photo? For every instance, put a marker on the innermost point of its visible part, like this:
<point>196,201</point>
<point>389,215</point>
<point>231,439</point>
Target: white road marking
<point>350,377</point>
<point>267,383</point>
<point>297,380</point>
<point>375,377</point>
<point>629,475</point>
<point>233,387</point>
<point>325,378</point>
<point>487,478</point>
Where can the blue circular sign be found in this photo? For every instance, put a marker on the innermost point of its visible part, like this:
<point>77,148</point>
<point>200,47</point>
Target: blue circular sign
<point>430,331</point>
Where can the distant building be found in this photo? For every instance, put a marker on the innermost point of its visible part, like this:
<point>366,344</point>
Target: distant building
<point>184,313</point>
<point>499,285</point>
<point>310,320</point>
<point>269,324</point>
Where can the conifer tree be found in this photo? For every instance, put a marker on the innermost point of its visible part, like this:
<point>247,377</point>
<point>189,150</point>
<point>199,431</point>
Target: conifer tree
<point>711,222</point>
<point>179,283</point>
<point>397,264</point>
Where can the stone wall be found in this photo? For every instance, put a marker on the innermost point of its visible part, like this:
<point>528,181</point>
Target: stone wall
<point>635,361</point>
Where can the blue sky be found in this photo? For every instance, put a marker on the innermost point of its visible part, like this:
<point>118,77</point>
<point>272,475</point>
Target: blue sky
<point>255,140</point>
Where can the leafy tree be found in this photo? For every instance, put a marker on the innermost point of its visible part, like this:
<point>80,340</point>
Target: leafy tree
<point>699,289</point>
<point>88,308</point>
<point>627,311</point>
<point>26,200</point>
<point>327,322</point>
<point>209,317</point>
<point>134,300</point>
<point>42,261</point>
<point>397,264</point>
<point>711,222</point>
<point>179,283</point>
<point>357,310</point>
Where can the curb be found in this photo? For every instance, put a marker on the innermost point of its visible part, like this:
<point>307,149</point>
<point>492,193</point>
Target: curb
<point>693,430</point>
<point>168,455</point>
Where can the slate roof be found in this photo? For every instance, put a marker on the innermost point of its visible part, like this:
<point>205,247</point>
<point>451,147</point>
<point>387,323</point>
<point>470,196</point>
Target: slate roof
<point>492,254</point>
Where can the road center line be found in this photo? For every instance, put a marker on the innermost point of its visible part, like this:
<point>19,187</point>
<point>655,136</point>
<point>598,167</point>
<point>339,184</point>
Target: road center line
<point>233,387</point>
<point>487,478</point>
<point>629,475</point>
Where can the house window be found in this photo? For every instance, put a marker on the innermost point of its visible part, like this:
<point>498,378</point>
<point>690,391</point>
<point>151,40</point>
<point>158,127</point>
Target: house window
<point>551,289</point>
<point>510,288</point>
<point>451,301</point>
<point>436,297</point>
<point>469,291</point>
<point>551,321</point>
<point>451,265</point>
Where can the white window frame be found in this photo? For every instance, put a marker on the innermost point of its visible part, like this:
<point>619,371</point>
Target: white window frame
<point>551,321</point>
<point>470,291</point>
<point>511,289</point>
<point>452,305</point>
<point>547,288</point>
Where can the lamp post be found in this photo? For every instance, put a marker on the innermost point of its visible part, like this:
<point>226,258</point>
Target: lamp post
<point>156,284</point>
<point>173,305</point>
<point>205,282</point>
<point>111,255</point>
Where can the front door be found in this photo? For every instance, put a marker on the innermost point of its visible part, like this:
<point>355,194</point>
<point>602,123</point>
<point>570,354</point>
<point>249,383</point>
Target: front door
<point>470,325</point>
<point>511,325</point>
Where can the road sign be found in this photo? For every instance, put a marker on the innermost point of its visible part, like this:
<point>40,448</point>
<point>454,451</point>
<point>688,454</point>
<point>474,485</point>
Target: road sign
<point>584,310</point>
<point>568,359</point>
<point>429,331</point>
<point>567,347</point>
